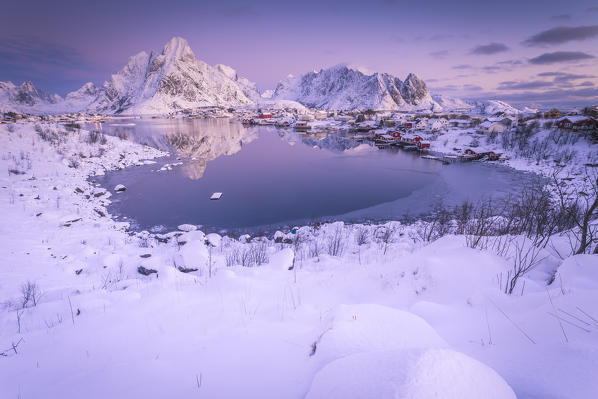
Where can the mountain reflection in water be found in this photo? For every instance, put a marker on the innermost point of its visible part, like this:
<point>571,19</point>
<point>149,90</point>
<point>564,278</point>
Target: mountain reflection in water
<point>275,177</point>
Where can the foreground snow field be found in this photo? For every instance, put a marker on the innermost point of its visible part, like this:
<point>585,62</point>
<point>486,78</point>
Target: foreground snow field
<point>392,317</point>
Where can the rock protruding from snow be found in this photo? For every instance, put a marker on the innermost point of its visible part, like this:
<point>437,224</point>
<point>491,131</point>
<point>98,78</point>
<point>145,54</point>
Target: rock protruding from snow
<point>119,188</point>
<point>414,374</point>
<point>343,87</point>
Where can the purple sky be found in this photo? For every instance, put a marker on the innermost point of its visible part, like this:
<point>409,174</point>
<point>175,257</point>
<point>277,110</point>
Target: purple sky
<point>520,51</point>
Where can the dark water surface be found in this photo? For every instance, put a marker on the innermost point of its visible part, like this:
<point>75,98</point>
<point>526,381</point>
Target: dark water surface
<point>273,178</point>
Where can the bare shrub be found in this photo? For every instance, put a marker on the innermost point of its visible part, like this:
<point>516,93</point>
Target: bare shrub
<point>361,236</point>
<point>250,255</point>
<point>480,224</point>
<point>73,163</point>
<point>385,235</point>
<point>314,249</point>
<point>462,215</point>
<point>232,258</point>
<point>525,259</point>
<point>336,245</point>
<point>580,207</point>
<point>30,294</point>
<point>438,224</point>
<point>94,137</point>
<point>72,127</point>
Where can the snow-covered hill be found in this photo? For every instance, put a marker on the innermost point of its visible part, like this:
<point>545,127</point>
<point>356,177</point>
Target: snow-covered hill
<point>343,87</point>
<point>451,103</point>
<point>493,107</point>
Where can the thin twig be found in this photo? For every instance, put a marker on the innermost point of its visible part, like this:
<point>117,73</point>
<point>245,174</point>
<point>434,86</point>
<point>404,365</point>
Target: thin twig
<point>558,318</point>
<point>488,324</point>
<point>515,324</point>
<point>595,321</point>
<point>71,306</point>
<point>575,317</point>
<point>567,321</point>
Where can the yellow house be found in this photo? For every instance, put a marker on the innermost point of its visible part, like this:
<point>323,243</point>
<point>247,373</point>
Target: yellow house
<point>552,114</point>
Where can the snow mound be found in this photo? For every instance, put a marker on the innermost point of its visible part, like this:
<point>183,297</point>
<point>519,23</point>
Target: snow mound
<point>413,374</point>
<point>367,327</point>
<point>579,271</point>
<point>187,227</point>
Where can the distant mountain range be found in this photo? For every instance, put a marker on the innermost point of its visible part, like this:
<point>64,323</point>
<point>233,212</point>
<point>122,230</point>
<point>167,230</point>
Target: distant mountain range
<point>174,79</point>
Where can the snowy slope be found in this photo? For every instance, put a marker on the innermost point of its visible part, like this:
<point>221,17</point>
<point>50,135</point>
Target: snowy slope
<point>343,87</point>
<point>493,107</point>
<point>248,87</point>
<point>451,103</point>
<point>414,319</point>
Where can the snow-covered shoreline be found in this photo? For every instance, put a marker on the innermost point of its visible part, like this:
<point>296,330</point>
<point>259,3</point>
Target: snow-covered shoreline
<point>286,317</point>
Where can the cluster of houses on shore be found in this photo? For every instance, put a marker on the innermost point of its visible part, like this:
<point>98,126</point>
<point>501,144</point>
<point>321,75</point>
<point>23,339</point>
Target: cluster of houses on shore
<point>370,120</point>
<point>410,131</point>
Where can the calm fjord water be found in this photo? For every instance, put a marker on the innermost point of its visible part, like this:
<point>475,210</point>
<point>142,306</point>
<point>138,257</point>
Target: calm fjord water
<point>273,178</point>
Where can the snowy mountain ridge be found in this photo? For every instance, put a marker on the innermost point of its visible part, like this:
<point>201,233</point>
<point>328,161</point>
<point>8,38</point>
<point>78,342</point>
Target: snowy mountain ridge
<point>348,88</point>
<point>174,79</point>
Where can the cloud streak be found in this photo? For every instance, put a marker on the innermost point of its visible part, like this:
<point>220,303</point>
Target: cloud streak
<point>563,77</point>
<point>528,85</point>
<point>562,34</point>
<point>488,49</point>
<point>560,56</point>
<point>562,17</point>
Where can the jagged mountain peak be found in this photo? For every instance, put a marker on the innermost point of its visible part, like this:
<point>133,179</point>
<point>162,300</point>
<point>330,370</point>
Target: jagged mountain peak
<point>344,87</point>
<point>177,49</point>
<point>230,72</point>
<point>171,80</point>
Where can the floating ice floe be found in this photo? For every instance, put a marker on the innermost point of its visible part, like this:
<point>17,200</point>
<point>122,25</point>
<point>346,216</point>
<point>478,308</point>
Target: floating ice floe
<point>216,196</point>
<point>119,188</point>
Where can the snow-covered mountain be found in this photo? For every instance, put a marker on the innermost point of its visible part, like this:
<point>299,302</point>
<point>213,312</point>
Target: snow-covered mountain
<point>169,80</point>
<point>25,97</point>
<point>451,103</point>
<point>343,87</point>
<point>150,83</point>
<point>248,87</point>
<point>493,107</point>
<point>174,79</point>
